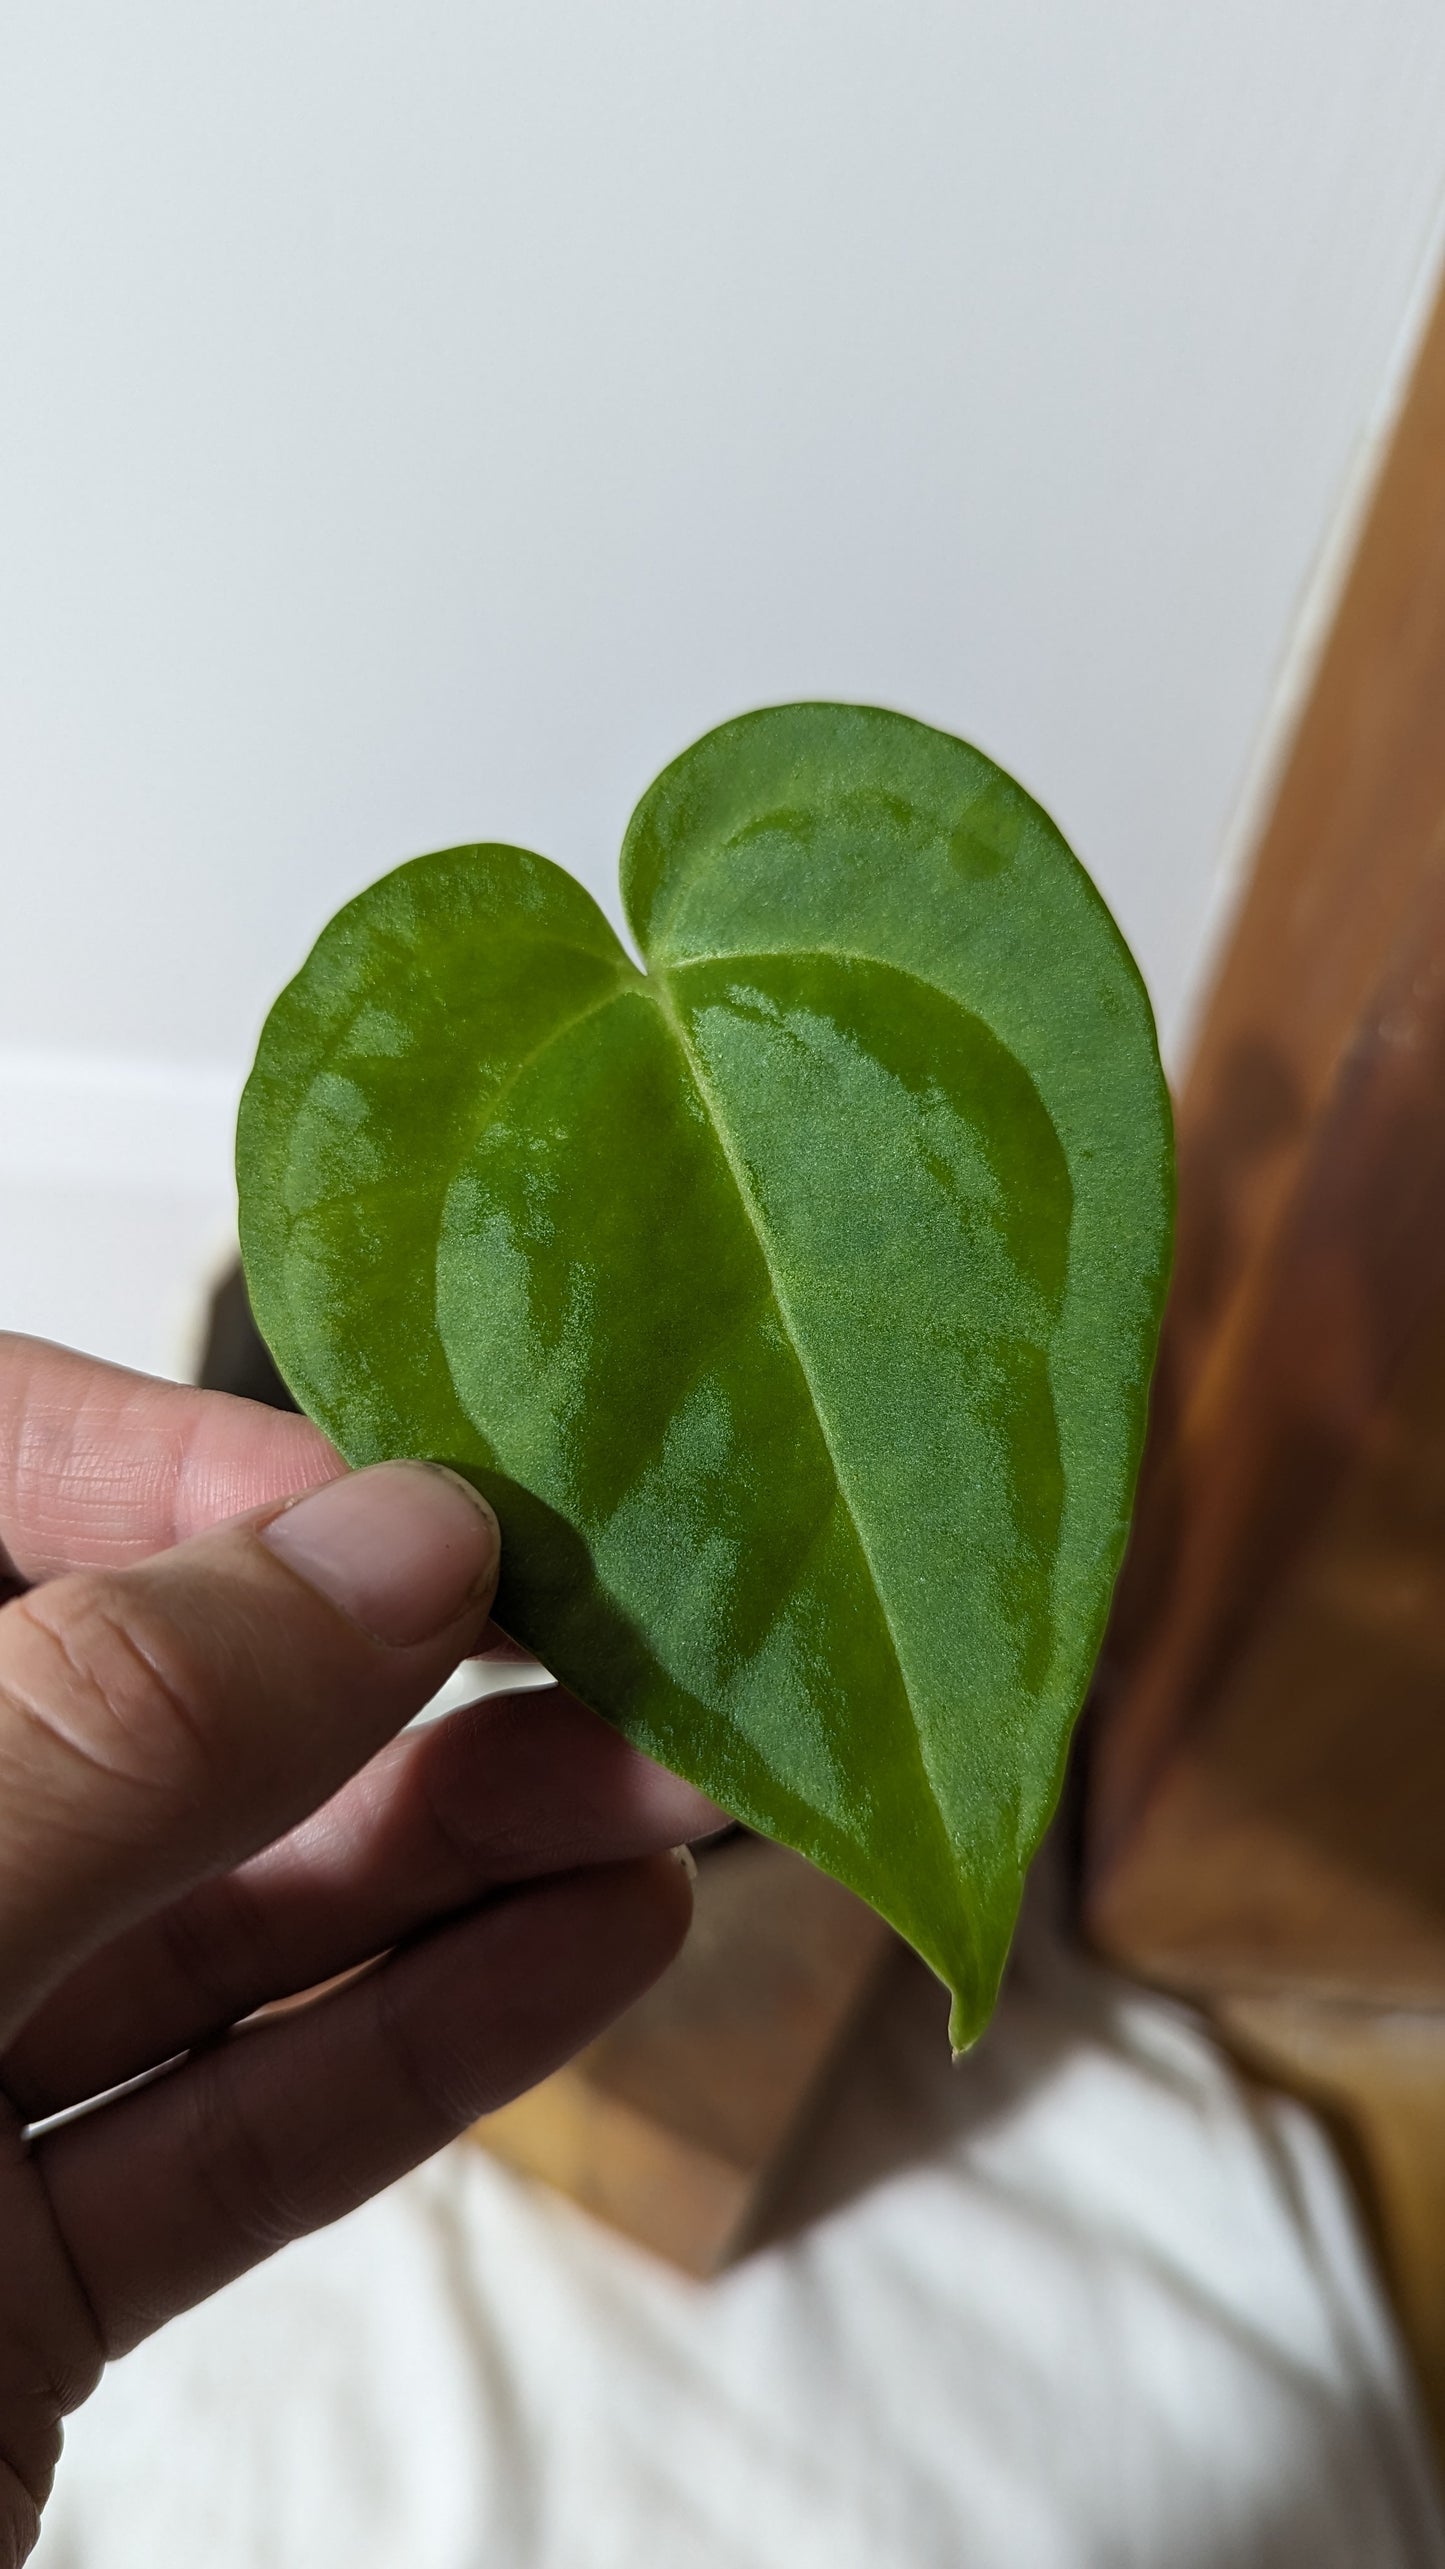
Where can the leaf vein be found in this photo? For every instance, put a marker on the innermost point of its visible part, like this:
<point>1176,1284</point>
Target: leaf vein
<point>656,982</point>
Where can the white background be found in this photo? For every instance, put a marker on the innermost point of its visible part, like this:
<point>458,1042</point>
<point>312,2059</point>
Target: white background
<point>418,421</point>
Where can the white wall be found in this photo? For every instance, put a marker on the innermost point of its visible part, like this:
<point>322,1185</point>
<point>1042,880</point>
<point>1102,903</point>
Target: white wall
<point>419,418</point>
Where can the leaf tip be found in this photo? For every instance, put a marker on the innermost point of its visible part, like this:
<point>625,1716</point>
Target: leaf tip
<point>964,2028</point>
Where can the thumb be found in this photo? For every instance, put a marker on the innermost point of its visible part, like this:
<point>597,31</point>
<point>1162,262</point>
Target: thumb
<point>162,1722</point>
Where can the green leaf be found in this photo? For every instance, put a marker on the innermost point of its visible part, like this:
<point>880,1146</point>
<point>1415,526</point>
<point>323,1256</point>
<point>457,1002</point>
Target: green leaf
<point>793,1301</point>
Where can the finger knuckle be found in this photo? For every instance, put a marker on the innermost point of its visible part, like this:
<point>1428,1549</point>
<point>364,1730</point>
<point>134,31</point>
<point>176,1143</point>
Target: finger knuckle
<point>259,2196</point>
<point>220,1951</point>
<point>104,1681</point>
<point>441,2083</point>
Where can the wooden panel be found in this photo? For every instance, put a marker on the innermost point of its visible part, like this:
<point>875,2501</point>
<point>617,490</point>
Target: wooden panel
<point>1297,1286</point>
<point>674,2126</point>
<point>1294,1837</point>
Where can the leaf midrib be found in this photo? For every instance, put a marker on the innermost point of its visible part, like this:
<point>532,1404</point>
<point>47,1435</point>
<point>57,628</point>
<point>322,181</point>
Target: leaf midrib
<point>656,983</point>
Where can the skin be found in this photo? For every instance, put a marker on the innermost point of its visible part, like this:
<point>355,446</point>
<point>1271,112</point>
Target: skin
<point>207,1806</point>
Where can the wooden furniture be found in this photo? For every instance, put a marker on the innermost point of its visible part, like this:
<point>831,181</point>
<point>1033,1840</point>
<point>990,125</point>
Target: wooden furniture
<point>1266,1810</point>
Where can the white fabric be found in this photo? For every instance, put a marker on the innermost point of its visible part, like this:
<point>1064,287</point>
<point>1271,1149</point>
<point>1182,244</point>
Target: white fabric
<point>1083,2302</point>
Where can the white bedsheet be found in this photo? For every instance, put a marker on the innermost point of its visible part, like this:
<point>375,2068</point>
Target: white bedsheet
<point>1084,2302</point>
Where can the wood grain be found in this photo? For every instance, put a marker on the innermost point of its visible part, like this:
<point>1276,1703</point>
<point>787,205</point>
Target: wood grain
<point>1294,1836</point>
<point>1293,1294</point>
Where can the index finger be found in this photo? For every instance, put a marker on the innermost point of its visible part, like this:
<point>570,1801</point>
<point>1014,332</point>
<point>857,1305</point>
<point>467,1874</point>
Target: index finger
<point>100,1467</point>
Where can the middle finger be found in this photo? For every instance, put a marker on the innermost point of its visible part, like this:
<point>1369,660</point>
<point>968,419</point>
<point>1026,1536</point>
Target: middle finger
<point>512,1787</point>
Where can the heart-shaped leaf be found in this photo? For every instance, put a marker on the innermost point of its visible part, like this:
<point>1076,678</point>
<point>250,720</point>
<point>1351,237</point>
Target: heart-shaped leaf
<point>793,1301</point>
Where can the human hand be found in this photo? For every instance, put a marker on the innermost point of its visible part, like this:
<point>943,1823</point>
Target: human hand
<point>205,1807</point>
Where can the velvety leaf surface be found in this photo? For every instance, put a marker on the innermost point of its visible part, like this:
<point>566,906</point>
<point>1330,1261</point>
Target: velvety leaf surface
<point>794,1301</point>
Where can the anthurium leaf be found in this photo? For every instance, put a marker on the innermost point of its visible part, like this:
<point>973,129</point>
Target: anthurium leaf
<point>794,1300</point>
